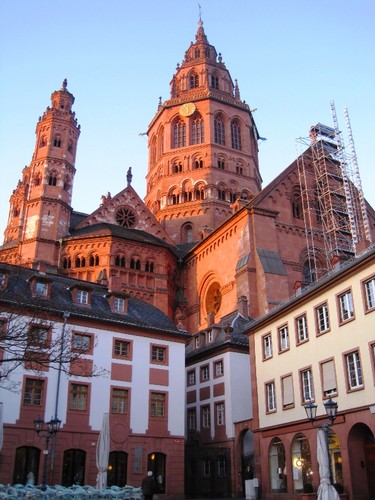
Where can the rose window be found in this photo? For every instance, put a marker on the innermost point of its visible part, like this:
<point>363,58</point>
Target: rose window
<point>125,217</point>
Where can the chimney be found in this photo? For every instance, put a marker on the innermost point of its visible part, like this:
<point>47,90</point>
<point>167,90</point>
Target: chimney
<point>243,306</point>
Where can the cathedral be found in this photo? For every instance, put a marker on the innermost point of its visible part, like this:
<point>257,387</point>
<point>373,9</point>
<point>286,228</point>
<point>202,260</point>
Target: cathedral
<point>209,246</point>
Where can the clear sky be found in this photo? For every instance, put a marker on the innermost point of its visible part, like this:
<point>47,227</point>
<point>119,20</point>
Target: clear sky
<point>290,57</point>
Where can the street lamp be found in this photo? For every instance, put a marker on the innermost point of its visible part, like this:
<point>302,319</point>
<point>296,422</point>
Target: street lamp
<point>53,427</point>
<point>331,410</point>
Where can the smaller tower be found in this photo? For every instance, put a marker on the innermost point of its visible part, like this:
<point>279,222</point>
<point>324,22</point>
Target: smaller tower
<point>40,206</point>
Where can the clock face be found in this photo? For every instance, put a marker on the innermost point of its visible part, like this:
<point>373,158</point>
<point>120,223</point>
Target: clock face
<point>187,109</point>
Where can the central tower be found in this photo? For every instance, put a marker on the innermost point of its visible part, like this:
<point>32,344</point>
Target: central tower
<point>203,151</point>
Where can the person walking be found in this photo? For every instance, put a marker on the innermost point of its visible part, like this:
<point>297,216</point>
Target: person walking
<point>148,486</point>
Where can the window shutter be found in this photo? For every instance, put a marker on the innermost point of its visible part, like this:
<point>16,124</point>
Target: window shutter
<point>329,378</point>
<point>288,390</point>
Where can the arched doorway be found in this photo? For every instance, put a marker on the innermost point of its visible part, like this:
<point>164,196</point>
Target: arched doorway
<point>117,468</point>
<point>27,460</point>
<point>73,467</point>
<point>156,464</point>
<point>361,447</point>
<point>277,466</point>
<point>301,465</point>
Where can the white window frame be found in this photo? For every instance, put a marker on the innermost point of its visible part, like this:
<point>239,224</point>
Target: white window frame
<point>322,318</point>
<point>369,286</point>
<point>205,373</point>
<point>346,306</point>
<point>206,420</point>
<point>271,397</point>
<point>267,346</point>
<point>82,297</point>
<point>302,331</point>
<point>220,414</point>
<point>307,385</point>
<point>354,370</point>
<point>283,338</point>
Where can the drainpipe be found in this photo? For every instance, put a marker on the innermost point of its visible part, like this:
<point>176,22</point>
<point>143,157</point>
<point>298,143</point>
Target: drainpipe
<point>66,315</point>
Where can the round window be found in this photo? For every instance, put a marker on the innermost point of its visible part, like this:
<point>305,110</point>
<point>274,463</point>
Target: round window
<point>213,298</point>
<point>125,217</point>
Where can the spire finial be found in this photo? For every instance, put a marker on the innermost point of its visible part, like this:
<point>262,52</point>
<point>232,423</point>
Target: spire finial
<point>64,84</point>
<point>200,13</point>
<point>129,176</point>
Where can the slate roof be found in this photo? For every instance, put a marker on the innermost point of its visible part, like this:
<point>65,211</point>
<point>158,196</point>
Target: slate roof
<point>107,229</point>
<point>18,293</point>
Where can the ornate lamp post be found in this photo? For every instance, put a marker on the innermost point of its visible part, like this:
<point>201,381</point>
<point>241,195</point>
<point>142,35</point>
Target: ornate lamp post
<point>53,427</point>
<point>331,410</point>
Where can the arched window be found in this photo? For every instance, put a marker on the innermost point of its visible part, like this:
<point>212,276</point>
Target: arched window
<point>213,299</point>
<point>194,80</point>
<point>199,193</point>
<point>177,167</point>
<point>52,179</point>
<point>301,465</point>
<point>94,260</point>
<point>160,150</point>
<point>296,204</point>
<point>309,271</point>
<point>43,141</point>
<point>198,163</point>
<point>219,130</point>
<point>221,193</point>
<point>70,146</point>
<point>277,466</point>
<point>197,135</point>
<point>214,81</point>
<point>67,263</point>
<point>57,141</point>
<point>232,197</point>
<point>179,134</point>
<point>120,261</point>
<point>135,264</point>
<point>38,179</point>
<point>221,163</point>
<point>149,267</point>
<point>239,168</point>
<point>83,262</point>
<point>67,183</point>
<point>153,151</point>
<point>78,262</point>
<point>156,464</point>
<point>236,135</point>
<point>187,233</point>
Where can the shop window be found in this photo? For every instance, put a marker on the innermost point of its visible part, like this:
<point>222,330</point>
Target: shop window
<point>26,462</point>
<point>117,469</point>
<point>73,467</point>
<point>277,466</point>
<point>301,464</point>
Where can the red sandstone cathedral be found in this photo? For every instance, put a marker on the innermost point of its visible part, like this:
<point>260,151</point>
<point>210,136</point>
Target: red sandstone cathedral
<point>207,240</point>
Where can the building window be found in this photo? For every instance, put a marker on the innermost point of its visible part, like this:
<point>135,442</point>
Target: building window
<point>194,80</point>
<point>219,130</point>
<point>307,386</point>
<point>346,306</point>
<point>297,205</point>
<point>210,336</point>
<point>94,260</point>
<point>149,267</point>
<point>158,354</point>
<point>157,404</point>
<point>198,131</point>
<point>197,342</point>
<point>57,141</point>
<point>329,384</point>
<point>125,217</point>
<point>78,397</point>
<point>220,414</point>
<point>205,373</point>
<point>301,327</point>
<point>277,466</point>
<point>52,179</point>
<point>121,348</point>
<point>33,393</point>
<point>206,467</point>
<point>221,466</point>
<point>221,164</point>
<point>322,318</point>
<point>214,82</point>
<point>206,421</point>
<point>236,135</point>
<point>82,297</point>
<point>354,370</point>
<point>288,394</point>
<point>267,346</point>
<point>219,368</point>
<point>37,336</point>
<point>283,338</point>
<point>192,419</point>
<point>270,397</point>
<point>118,304</point>
<point>119,400</point>
<point>179,134</point>
<point>41,288</point>
<point>81,342</point>
<point>370,294</point>
<point>120,261</point>
<point>191,377</point>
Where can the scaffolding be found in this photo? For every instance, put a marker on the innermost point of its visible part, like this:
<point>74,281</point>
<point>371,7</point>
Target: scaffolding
<point>332,200</point>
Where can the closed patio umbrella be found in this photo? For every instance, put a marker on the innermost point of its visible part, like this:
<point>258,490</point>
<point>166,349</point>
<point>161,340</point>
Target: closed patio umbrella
<point>326,490</point>
<point>102,453</point>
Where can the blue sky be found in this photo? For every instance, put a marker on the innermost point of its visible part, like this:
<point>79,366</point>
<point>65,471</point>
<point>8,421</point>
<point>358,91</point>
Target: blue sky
<point>290,57</point>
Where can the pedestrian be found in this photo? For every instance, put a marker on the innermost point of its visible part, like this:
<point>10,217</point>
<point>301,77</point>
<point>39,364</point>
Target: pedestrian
<point>148,486</point>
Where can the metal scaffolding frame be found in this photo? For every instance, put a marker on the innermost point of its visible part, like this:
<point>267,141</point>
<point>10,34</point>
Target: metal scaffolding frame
<point>332,199</point>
